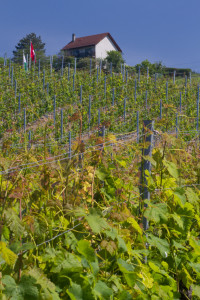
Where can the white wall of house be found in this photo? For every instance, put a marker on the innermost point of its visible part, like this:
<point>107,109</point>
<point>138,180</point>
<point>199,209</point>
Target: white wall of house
<point>103,46</point>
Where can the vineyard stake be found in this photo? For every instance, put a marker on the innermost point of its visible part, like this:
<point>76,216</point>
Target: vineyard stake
<point>113,97</point>
<point>198,109</point>
<point>81,95</point>
<point>61,124</point>
<point>180,102</point>
<point>19,103</point>
<point>105,86</point>
<point>126,76</point>
<point>123,71</point>
<point>62,66</point>
<point>167,91</point>
<point>124,109</point>
<point>43,79</point>
<point>146,99</point>
<point>139,74</point>
<point>29,139</point>
<point>39,69</point>
<point>68,71</point>
<point>147,74</point>
<point>138,137</point>
<point>160,109</point>
<point>102,134</point>
<point>90,67</point>
<point>5,59</point>
<point>47,88</point>
<point>70,145</point>
<point>51,61</point>
<point>97,74</point>
<point>15,88</point>
<point>135,90</point>
<point>73,82</point>
<point>155,81</point>
<point>176,125</point>
<point>24,119</point>
<point>9,67</point>
<point>12,77</point>
<point>54,110</point>
<point>148,126</point>
<point>89,111</point>
<point>75,65</point>
<point>174,77</point>
<point>111,69</point>
<point>98,117</point>
<point>100,67</point>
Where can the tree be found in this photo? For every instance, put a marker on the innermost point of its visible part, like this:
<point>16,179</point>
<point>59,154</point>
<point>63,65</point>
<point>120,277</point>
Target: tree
<point>157,67</point>
<point>24,44</point>
<point>115,57</point>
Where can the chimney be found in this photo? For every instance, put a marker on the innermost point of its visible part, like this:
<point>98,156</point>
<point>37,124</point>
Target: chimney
<point>73,37</point>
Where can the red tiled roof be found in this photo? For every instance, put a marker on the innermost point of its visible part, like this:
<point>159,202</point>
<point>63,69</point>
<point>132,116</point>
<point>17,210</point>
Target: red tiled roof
<point>90,40</point>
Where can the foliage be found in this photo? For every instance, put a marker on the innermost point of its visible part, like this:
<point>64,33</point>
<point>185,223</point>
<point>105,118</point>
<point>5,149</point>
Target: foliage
<point>156,67</point>
<point>73,228</point>
<point>115,57</point>
<point>24,45</point>
<point>84,63</point>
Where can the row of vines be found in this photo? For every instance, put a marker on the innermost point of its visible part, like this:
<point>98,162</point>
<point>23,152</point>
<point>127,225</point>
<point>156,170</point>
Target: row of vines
<point>72,205</point>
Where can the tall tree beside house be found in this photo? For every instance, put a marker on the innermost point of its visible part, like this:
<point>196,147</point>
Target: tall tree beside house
<point>24,44</point>
<point>115,57</point>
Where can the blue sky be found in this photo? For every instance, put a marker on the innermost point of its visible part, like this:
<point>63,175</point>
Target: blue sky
<point>156,30</point>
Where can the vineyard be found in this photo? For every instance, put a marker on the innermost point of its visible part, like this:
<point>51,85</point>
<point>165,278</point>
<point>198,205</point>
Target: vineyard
<point>99,186</point>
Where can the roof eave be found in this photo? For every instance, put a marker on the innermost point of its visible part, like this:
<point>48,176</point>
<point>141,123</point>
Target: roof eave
<point>77,47</point>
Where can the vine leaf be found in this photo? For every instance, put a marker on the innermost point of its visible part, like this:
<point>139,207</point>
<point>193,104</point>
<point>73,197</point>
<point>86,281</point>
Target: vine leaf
<point>191,196</point>
<point>26,289</point>
<point>156,212</point>
<point>87,251</point>
<point>102,290</point>
<point>161,244</point>
<point>95,221</point>
<point>9,256</point>
<point>135,225</point>
<point>75,292</point>
<point>196,290</point>
<point>67,262</point>
<point>171,168</point>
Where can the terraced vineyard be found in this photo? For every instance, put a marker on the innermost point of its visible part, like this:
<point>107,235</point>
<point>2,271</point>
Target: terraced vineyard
<point>75,219</point>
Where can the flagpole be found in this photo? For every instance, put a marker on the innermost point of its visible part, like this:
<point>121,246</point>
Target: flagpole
<point>34,66</point>
<point>30,56</point>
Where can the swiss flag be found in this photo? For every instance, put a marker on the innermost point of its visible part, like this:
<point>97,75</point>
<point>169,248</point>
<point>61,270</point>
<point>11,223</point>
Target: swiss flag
<point>32,53</point>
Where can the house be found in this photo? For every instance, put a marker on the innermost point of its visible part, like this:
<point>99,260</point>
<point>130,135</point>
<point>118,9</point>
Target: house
<point>95,46</point>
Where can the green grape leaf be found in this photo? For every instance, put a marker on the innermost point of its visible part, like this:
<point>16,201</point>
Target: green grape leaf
<point>102,290</point>
<point>171,168</point>
<point>135,225</point>
<point>84,248</point>
<point>75,292</point>
<point>191,196</point>
<point>156,212</point>
<point>68,262</point>
<point>9,256</point>
<point>161,244</point>
<point>96,222</point>
<point>196,290</point>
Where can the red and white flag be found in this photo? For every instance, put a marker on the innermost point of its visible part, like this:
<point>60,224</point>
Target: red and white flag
<point>32,53</point>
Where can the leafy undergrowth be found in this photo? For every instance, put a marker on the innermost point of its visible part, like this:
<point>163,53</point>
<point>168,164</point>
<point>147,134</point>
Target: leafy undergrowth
<point>73,229</point>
